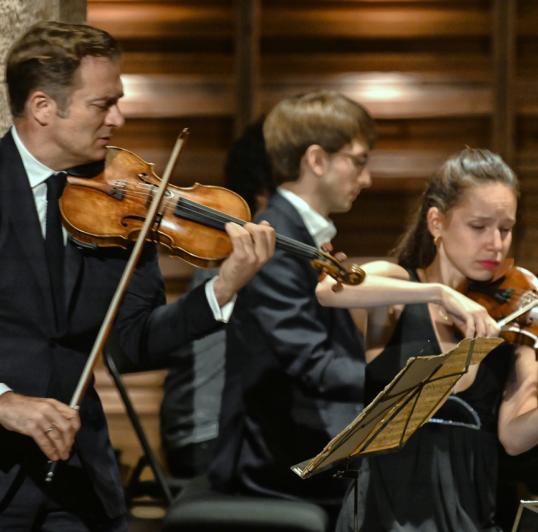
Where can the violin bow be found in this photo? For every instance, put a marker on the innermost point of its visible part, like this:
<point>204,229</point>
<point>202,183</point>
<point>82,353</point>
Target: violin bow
<point>517,313</point>
<point>128,271</point>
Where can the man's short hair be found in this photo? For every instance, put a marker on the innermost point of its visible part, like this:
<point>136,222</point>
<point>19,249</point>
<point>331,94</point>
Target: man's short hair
<point>326,118</point>
<point>46,58</point>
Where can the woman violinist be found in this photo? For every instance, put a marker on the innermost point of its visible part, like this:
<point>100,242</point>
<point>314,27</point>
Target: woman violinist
<point>444,478</point>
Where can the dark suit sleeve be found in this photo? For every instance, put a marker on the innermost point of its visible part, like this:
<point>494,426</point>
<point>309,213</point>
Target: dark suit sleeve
<point>311,343</point>
<point>150,329</point>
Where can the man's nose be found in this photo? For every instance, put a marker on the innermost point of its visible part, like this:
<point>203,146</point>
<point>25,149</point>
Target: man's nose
<point>115,117</point>
<point>365,178</point>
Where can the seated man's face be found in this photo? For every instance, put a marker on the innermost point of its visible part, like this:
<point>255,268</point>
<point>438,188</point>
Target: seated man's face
<point>347,174</point>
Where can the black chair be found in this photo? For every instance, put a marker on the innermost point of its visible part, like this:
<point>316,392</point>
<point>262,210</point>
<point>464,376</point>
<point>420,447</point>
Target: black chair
<point>199,508</point>
<point>117,363</point>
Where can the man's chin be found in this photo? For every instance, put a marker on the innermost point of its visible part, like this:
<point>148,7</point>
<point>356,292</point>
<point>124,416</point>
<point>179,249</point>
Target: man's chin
<point>98,154</point>
<point>342,209</point>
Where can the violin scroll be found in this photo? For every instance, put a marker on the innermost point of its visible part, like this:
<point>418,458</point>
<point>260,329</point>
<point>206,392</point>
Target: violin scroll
<point>327,264</point>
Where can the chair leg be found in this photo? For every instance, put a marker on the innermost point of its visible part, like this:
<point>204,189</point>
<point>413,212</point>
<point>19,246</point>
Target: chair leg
<point>139,430</point>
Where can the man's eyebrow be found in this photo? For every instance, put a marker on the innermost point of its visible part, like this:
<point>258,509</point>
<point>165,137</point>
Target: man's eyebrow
<point>107,99</point>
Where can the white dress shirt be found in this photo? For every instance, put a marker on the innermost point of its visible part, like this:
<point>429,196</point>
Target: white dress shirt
<point>321,229</point>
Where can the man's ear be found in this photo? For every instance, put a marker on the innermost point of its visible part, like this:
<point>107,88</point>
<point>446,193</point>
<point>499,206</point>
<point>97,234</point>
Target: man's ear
<point>41,107</point>
<point>435,220</point>
<point>315,157</point>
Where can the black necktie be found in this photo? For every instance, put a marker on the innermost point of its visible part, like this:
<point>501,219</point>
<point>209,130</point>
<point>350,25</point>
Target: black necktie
<point>54,243</point>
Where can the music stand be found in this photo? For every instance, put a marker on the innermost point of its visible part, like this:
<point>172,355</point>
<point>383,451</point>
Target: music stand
<point>404,405</point>
<point>528,521</point>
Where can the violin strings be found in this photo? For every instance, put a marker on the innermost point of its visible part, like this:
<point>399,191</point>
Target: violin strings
<point>198,210</point>
<point>189,206</point>
<point>285,243</point>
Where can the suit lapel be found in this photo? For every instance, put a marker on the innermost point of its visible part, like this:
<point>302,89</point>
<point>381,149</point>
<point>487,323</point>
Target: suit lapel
<point>22,216</point>
<point>20,209</point>
<point>293,218</point>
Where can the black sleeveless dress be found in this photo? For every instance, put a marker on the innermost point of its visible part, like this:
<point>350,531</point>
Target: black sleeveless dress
<point>445,477</point>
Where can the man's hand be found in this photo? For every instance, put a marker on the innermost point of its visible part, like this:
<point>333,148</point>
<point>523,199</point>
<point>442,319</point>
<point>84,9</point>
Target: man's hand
<point>253,246</point>
<point>50,423</point>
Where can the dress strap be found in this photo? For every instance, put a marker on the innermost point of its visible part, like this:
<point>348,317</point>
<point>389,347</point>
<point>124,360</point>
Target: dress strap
<point>457,412</point>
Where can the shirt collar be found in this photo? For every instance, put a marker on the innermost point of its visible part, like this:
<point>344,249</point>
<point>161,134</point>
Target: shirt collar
<point>321,229</point>
<point>36,171</point>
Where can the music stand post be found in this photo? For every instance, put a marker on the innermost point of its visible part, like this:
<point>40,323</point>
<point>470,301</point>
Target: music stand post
<point>519,520</point>
<point>351,472</point>
<point>405,404</point>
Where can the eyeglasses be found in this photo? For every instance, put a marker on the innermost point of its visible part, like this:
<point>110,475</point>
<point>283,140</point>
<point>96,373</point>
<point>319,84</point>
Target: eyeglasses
<point>359,161</point>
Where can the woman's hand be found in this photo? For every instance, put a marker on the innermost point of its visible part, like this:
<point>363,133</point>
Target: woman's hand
<point>469,316</point>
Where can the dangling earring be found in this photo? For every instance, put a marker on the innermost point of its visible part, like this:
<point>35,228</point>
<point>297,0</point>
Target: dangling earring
<point>436,240</point>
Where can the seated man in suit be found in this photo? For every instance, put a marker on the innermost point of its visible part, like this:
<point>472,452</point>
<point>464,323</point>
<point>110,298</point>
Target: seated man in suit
<point>192,391</point>
<point>294,370</point>
<point>64,87</point>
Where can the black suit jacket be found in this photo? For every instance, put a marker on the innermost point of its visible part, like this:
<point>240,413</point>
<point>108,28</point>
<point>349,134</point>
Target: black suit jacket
<point>38,359</point>
<point>294,376</point>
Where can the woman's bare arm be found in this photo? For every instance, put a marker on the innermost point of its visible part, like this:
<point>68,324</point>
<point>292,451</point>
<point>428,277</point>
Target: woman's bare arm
<point>518,416</point>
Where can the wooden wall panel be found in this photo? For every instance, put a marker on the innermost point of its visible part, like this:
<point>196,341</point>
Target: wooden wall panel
<point>374,19</point>
<point>416,65</point>
<point>425,69</point>
<point>165,21</point>
<point>435,74</point>
<point>526,131</point>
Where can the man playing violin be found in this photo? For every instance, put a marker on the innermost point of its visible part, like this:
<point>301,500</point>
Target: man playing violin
<point>294,371</point>
<point>64,87</point>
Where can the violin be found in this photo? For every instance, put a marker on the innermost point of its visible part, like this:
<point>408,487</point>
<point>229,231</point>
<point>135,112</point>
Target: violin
<point>109,207</point>
<point>511,298</point>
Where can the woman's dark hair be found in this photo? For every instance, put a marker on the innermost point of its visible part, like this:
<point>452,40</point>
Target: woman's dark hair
<point>471,167</point>
<point>247,170</point>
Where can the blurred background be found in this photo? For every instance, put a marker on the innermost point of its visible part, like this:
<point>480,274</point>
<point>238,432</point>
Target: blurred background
<point>437,75</point>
